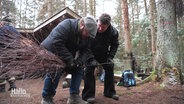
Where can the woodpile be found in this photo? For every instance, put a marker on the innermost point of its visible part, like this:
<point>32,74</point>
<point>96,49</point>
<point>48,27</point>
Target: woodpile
<point>23,57</point>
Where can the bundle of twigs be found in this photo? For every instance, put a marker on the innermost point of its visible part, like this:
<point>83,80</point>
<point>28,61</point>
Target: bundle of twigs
<point>18,53</point>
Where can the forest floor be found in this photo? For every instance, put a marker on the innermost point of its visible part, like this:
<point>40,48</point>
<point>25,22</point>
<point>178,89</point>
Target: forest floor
<point>148,93</point>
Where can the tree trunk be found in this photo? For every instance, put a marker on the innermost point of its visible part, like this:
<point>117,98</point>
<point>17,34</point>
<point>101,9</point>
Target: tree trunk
<point>85,8</point>
<point>167,53</point>
<point>94,10</point>
<point>126,27</point>
<point>146,8</point>
<point>91,7</point>
<point>137,8</point>
<point>127,37</point>
<point>20,13</point>
<point>153,35</point>
<point>1,8</point>
<point>133,16</point>
<point>64,3</point>
<point>49,6</point>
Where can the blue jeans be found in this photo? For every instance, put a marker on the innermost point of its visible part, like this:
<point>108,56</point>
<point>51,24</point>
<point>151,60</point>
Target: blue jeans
<point>52,79</point>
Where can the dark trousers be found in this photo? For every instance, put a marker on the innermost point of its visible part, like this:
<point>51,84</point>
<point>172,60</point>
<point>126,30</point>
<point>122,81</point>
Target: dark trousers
<point>90,82</point>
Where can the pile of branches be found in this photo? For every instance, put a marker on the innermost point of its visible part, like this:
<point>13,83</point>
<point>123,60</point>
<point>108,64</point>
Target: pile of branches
<point>20,56</point>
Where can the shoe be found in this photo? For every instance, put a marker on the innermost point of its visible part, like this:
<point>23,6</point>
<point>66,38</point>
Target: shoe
<point>12,88</point>
<point>47,100</point>
<point>12,85</point>
<point>2,88</point>
<point>115,97</point>
<point>65,84</point>
<point>91,100</point>
<point>75,99</point>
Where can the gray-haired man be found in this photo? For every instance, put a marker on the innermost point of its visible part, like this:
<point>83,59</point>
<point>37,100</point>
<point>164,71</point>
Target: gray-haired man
<point>69,37</point>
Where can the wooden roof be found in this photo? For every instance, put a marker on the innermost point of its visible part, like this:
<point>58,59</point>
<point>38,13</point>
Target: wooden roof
<point>40,32</point>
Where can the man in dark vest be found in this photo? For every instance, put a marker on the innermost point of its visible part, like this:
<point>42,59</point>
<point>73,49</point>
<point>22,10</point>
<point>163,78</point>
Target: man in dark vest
<point>104,48</point>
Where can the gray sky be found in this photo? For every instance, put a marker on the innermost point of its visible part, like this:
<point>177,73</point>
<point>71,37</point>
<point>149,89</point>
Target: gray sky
<point>106,7</point>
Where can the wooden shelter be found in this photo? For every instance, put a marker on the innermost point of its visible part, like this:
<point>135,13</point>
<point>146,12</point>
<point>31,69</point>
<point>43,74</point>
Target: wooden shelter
<point>40,32</point>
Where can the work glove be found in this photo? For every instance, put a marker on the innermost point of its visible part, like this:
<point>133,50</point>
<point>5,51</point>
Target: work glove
<point>91,63</point>
<point>73,66</point>
<point>94,63</point>
<point>76,63</point>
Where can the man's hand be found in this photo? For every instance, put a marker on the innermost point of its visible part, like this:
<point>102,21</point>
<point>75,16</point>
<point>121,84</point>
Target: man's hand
<point>91,63</point>
<point>110,61</point>
<point>75,64</point>
<point>72,66</point>
<point>94,63</point>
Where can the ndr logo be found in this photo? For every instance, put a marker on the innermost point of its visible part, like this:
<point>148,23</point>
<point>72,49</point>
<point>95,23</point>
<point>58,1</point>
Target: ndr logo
<point>19,93</point>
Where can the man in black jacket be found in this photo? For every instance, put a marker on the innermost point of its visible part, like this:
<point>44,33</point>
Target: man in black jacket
<point>104,48</point>
<point>69,41</point>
